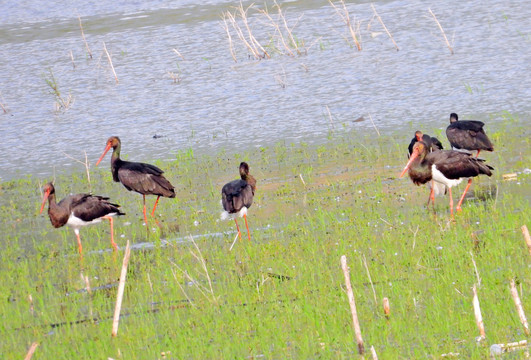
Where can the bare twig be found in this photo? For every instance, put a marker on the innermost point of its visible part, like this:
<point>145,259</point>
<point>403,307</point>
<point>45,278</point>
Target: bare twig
<point>303,182</point>
<point>443,33</point>
<point>121,287</point>
<point>385,27</point>
<point>373,353</point>
<point>201,259</point>
<point>84,39</point>
<point>352,303</point>
<point>178,53</point>
<point>110,62</point>
<point>519,307</point>
<point>180,286</point>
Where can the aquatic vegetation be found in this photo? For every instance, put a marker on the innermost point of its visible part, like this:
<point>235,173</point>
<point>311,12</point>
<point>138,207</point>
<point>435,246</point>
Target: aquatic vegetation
<point>187,295</point>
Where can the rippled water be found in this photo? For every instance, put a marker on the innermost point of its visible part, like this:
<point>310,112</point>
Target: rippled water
<point>220,103</point>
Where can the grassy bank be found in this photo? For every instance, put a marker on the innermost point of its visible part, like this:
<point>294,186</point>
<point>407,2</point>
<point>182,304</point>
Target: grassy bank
<point>280,295</point>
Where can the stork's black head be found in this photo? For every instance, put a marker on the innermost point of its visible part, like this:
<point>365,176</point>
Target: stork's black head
<point>418,135</point>
<point>453,117</point>
<point>244,169</point>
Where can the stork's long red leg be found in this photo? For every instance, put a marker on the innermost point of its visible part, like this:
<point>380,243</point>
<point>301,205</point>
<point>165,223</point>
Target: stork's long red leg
<point>114,246</point>
<point>80,248</point>
<point>238,228</point>
<point>145,217</point>
<point>458,208</point>
<point>247,226</point>
<point>432,195</point>
<point>451,202</point>
<point>154,207</point>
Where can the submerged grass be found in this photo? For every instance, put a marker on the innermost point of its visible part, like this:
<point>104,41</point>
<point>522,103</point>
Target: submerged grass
<point>280,295</point>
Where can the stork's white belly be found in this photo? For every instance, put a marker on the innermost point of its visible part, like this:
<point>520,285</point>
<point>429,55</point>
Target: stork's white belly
<point>439,177</point>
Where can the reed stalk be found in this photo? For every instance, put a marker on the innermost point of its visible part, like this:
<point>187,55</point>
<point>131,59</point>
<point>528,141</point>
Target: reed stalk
<point>352,303</point>
<point>110,62</point>
<point>345,16</point>
<point>31,350</point>
<point>120,294</point>
<point>519,307</point>
<point>477,314</point>
<point>442,31</point>
<point>385,27</point>
<point>83,36</point>
<point>527,238</point>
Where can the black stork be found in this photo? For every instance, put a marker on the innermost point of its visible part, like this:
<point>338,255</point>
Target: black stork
<point>143,178</point>
<point>467,135</point>
<point>447,167</point>
<point>237,197</point>
<point>433,144</point>
<point>79,210</point>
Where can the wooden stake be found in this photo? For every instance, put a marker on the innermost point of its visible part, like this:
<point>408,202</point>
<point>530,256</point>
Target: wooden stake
<point>352,303</point>
<point>31,350</point>
<point>519,308</point>
<point>110,62</point>
<point>527,238</point>
<point>477,313</point>
<point>121,286</point>
<point>440,27</point>
<point>386,307</point>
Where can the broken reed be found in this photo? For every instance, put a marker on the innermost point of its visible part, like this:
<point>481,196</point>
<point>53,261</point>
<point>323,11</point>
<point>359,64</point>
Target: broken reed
<point>345,16</point>
<point>352,303</point>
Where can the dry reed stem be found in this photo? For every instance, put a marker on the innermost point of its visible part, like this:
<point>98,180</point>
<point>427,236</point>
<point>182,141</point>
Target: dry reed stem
<point>303,182</point>
<point>31,350</point>
<point>527,238</point>
<point>345,16</point>
<point>386,307</point>
<point>475,269</point>
<point>477,314</point>
<point>374,125</point>
<point>178,53</point>
<point>72,58</point>
<point>329,115</point>
<point>110,62</point>
<point>254,42</point>
<point>83,35</point>
<point>519,307</point>
<point>239,32</point>
<point>352,303</point>
<point>231,46</point>
<point>370,279</point>
<point>443,33</point>
<point>289,31</point>
<point>385,27</point>
<point>373,353</point>
<point>120,294</point>
<point>277,29</point>
<point>2,104</point>
<point>85,163</point>
<point>201,259</point>
<point>182,289</point>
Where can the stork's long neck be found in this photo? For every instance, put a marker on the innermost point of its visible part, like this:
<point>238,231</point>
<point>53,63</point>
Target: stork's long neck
<point>115,162</point>
<point>250,180</point>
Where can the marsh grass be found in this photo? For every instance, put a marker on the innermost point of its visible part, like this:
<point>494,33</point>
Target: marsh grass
<point>61,102</point>
<point>280,295</point>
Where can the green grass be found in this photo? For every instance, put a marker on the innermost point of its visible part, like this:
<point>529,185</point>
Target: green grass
<point>281,295</point>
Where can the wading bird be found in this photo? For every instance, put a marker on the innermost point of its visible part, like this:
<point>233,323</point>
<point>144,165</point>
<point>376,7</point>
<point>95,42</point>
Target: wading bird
<point>467,136</point>
<point>79,210</point>
<point>143,178</point>
<point>436,189</point>
<point>447,167</point>
<point>237,197</point>
<point>432,142</point>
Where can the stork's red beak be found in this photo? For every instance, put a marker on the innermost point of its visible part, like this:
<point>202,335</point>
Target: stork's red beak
<point>107,148</point>
<point>414,155</point>
<point>46,194</point>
